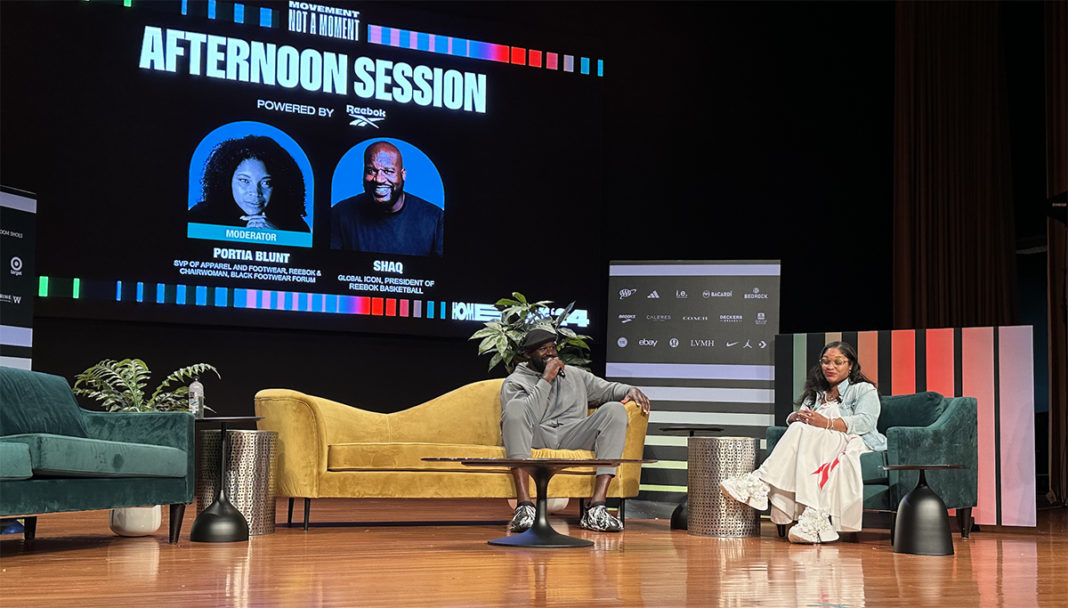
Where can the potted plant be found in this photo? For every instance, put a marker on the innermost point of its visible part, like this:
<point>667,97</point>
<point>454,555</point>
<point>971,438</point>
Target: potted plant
<point>119,386</point>
<point>504,338</point>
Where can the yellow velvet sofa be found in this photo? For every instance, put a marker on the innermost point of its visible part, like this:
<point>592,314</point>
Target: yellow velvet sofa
<point>328,449</point>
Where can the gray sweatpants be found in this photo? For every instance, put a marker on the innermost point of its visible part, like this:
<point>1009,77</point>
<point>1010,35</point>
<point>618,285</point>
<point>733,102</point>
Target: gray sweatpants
<point>603,431</point>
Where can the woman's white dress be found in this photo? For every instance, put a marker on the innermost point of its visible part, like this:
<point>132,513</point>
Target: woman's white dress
<point>819,468</point>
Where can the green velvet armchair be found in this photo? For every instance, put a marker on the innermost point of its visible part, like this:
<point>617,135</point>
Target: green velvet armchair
<point>921,428</point>
<point>55,456</point>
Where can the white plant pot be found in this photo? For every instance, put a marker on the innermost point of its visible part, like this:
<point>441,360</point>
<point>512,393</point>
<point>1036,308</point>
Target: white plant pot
<point>136,521</point>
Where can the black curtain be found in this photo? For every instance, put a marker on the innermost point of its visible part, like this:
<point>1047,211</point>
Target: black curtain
<point>1056,72</point>
<point>954,241</point>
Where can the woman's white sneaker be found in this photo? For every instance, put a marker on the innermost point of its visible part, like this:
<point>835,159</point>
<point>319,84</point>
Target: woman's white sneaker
<point>814,526</point>
<point>747,489</point>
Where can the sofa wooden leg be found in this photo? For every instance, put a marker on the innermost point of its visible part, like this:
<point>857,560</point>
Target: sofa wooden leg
<point>964,518</point>
<point>781,529</point>
<point>307,512</point>
<point>289,518</point>
<point>177,513</point>
<point>582,507</point>
<point>29,528</point>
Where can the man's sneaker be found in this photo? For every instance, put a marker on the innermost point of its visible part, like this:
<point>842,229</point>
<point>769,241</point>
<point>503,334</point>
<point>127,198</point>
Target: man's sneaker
<point>598,519</point>
<point>814,526</point>
<point>747,489</point>
<point>523,518</point>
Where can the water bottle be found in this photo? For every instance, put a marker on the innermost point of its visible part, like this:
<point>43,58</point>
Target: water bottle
<point>196,398</point>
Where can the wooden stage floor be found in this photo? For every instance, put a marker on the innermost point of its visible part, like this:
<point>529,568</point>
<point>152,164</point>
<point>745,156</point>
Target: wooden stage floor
<point>381,553</point>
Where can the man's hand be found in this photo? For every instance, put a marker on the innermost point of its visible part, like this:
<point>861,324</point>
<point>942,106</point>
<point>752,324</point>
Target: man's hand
<point>553,365</point>
<point>640,399</point>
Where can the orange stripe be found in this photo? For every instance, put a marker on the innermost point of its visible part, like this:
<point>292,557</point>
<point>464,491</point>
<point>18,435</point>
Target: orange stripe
<point>940,362</point>
<point>868,354</point>
<point>903,361</point>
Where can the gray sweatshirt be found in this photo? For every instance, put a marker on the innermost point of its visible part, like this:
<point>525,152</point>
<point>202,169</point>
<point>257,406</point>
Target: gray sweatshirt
<point>565,400</point>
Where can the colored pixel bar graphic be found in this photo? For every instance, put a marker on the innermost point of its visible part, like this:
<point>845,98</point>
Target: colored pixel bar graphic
<point>473,49</point>
<point>263,16</point>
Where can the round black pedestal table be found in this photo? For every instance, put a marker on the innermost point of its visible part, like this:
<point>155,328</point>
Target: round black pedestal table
<point>541,535</point>
<point>680,517</point>
<point>921,526</point>
<point>221,522</point>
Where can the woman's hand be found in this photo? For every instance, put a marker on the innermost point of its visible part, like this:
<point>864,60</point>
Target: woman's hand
<point>810,418</point>
<point>259,221</point>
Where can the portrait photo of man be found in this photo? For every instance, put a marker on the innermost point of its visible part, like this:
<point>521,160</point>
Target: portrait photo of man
<point>385,218</point>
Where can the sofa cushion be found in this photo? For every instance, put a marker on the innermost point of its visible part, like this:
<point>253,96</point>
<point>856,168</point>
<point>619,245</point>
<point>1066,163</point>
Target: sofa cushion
<point>32,402</point>
<point>871,470</point>
<point>63,456</point>
<point>918,409</point>
<point>14,462</point>
<point>408,456</point>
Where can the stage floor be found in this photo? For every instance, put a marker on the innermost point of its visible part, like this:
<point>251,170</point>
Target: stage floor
<point>384,553</point>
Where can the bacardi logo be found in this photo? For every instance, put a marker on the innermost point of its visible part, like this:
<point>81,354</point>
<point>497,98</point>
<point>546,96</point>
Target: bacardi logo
<point>708,293</point>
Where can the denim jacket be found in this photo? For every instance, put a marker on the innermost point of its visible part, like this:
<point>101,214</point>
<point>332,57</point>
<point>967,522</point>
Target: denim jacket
<point>860,409</point>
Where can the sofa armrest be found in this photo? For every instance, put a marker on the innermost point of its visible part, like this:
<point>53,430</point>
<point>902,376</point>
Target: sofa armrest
<point>773,434</point>
<point>951,439</point>
<point>306,427</point>
<point>170,429</point>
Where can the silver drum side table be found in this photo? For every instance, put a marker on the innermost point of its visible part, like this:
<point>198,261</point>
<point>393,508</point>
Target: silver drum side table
<point>250,482</point>
<point>711,460</point>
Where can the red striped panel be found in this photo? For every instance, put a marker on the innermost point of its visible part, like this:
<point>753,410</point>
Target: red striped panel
<point>868,354</point>
<point>940,361</point>
<point>535,58</point>
<point>376,307</point>
<point>391,307</point>
<point>519,55</point>
<point>977,370</point>
<point>404,308</point>
<point>903,361</point>
<point>1016,401</point>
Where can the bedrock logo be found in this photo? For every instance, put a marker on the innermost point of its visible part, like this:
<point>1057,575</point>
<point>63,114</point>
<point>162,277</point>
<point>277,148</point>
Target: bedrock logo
<point>756,295</point>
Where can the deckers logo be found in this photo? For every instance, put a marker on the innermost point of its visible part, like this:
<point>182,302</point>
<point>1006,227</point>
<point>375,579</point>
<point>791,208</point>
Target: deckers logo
<point>365,117</point>
<point>626,293</point>
<point>627,318</point>
<point>730,318</point>
<point>756,295</point>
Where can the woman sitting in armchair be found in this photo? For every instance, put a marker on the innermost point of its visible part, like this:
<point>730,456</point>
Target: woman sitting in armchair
<point>813,475</point>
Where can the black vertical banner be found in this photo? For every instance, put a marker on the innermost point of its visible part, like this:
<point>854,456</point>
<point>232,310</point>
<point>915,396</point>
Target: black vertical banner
<point>18,276</point>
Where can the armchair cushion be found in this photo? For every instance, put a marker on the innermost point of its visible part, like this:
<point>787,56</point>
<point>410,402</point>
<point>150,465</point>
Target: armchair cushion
<point>63,456</point>
<point>38,403</point>
<point>919,409</point>
<point>14,461</point>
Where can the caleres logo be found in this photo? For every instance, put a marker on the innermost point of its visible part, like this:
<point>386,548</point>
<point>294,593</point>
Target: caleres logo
<point>365,117</point>
<point>658,318</point>
<point>626,293</point>
<point>627,318</point>
<point>756,295</point>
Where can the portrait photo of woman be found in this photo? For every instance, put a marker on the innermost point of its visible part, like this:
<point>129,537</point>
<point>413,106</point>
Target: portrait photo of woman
<point>254,183</point>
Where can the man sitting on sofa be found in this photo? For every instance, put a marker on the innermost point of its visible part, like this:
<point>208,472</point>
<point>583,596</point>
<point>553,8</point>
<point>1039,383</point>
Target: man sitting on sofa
<point>544,405</point>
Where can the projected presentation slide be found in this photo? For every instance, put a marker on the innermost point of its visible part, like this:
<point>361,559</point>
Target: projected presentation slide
<point>298,164</point>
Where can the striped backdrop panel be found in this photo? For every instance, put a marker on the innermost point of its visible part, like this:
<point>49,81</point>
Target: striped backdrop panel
<point>993,364</point>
